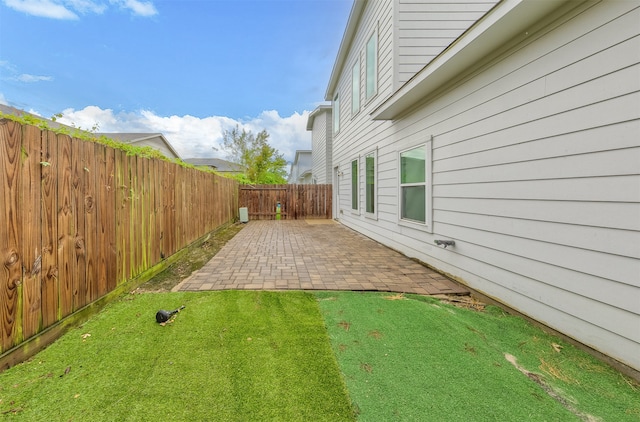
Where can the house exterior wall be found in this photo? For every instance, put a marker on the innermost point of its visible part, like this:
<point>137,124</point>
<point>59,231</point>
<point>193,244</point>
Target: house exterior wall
<point>301,168</point>
<point>321,147</point>
<point>424,29</point>
<point>358,134</point>
<point>534,171</point>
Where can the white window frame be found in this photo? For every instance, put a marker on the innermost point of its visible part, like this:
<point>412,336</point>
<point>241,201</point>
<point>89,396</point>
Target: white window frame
<point>428,183</point>
<point>372,154</point>
<point>355,187</point>
<point>371,61</point>
<point>355,88</point>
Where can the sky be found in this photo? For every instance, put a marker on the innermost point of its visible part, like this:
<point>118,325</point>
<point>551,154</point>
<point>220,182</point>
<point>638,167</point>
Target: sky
<point>189,69</point>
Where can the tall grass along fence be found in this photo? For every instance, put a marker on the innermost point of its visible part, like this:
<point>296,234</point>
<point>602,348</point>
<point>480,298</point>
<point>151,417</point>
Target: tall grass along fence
<point>78,219</point>
<point>296,201</point>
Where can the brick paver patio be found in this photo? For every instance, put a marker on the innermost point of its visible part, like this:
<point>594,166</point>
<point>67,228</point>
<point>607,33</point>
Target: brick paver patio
<point>313,255</point>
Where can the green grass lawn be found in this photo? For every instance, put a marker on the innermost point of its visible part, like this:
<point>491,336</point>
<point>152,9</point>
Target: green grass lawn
<point>228,356</point>
<point>414,358</point>
<point>294,356</point>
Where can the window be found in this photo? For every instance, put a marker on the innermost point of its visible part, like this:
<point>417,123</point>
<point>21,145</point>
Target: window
<point>414,164</point>
<point>336,114</point>
<point>355,88</point>
<point>372,66</point>
<point>354,185</point>
<point>370,183</point>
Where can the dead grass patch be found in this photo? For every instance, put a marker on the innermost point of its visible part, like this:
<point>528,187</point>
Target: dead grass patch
<point>366,367</point>
<point>466,302</point>
<point>555,372</point>
<point>344,325</point>
<point>375,334</point>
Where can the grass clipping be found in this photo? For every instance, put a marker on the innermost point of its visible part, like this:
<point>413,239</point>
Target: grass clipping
<point>232,356</point>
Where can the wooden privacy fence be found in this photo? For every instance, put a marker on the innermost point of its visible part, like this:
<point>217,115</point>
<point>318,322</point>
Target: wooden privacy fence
<point>296,201</point>
<point>78,218</point>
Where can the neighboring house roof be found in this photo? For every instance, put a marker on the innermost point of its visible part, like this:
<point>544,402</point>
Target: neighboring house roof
<point>504,22</point>
<point>218,164</point>
<point>153,140</point>
<point>17,112</point>
<point>319,110</point>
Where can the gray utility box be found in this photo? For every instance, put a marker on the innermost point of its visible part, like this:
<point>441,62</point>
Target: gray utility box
<point>244,215</point>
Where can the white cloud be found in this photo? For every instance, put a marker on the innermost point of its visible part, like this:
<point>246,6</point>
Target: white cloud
<point>86,6</point>
<point>193,136</point>
<point>69,9</point>
<point>43,8</point>
<point>7,65</point>
<point>141,8</point>
<point>3,99</point>
<point>25,77</point>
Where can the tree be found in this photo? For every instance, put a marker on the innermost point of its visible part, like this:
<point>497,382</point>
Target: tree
<point>263,163</point>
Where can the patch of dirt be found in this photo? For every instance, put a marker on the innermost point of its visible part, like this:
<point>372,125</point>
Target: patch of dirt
<point>397,296</point>
<point>466,302</point>
<point>194,259</point>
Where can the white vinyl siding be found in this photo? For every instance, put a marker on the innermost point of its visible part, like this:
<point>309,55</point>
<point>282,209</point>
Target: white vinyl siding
<point>535,169</point>
<point>536,177</point>
<point>355,88</point>
<point>426,28</point>
<point>336,114</point>
<point>321,146</point>
<point>357,135</point>
<point>371,73</point>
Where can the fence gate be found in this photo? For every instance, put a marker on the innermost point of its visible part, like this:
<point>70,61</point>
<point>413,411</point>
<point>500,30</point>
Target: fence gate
<point>296,201</point>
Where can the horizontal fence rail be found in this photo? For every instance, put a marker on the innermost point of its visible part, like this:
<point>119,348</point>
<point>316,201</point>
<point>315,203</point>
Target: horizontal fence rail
<point>296,201</point>
<point>78,218</point>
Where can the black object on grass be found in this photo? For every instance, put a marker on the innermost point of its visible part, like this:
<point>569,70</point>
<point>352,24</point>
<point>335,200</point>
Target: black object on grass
<point>163,316</point>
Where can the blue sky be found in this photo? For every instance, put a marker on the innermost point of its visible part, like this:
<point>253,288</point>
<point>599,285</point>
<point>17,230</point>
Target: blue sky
<point>188,69</point>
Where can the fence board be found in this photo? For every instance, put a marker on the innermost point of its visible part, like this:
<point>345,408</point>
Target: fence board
<point>296,201</point>
<point>101,246</point>
<point>109,207</point>
<point>49,229</point>
<point>11,268</point>
<point>79,269</point>
<point>30,223</point>
<point>134,221</point>
<point>154,249</point>
<point>65,226</point>
<point>91,172</point>
<point>145,215</point>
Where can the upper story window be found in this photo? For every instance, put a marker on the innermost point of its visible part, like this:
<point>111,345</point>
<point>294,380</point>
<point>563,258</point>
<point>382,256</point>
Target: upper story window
<point>372,66</point>
<point>336,114</point>
<point>355,88</point>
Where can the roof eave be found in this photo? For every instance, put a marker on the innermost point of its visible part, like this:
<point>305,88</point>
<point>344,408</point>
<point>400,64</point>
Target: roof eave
<point>320,109</point>
<point>505,21</point>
